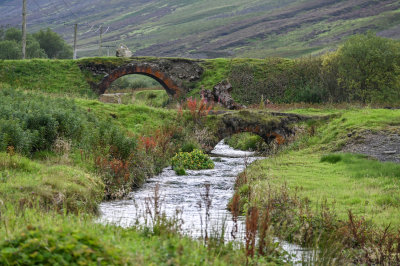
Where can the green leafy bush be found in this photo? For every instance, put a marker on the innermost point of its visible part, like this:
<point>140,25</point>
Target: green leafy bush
<point>38,246</point>
<point>180,171</point>
<point>32,123</point>
<point>245,141</point>
<point>331,158</point>
<point>368,68</point>
<point>189,146</point>
<point>195,160</point>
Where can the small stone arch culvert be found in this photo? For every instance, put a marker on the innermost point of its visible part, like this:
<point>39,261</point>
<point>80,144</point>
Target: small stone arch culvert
<point>270,126</point>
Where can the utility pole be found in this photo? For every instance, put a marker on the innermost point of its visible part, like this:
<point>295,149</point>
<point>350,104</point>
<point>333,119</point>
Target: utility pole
<point>24,29</point>
<point>101,40</point>
<point>108,49</point>
<point>75,33</point>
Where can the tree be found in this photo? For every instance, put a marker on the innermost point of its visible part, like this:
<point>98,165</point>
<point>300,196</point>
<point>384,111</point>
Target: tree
<point>2,31</point>
<point>11,45</point>
<point>13,34</point>
<point>53,44</point>
<point>369,68</point>
<point>10,50</point>
<point>43,44</point>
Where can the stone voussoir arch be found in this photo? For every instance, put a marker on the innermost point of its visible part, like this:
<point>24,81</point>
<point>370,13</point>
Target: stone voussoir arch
<point>268,125</point>
<point>174,74</point>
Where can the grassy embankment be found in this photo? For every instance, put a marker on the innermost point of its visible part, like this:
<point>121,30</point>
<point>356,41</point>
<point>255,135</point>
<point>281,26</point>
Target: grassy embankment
<point>367,187</point>
<point>61,77</point>
<point>310,187</point>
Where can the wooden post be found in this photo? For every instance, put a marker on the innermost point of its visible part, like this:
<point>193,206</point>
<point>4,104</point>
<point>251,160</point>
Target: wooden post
<point>24,29</point>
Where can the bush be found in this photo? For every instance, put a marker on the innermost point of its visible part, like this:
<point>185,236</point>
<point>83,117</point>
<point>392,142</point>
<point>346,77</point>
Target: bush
<point>195,160</point>
<point>367,69</point>
<point>190,146</point>
<point>180,171</point>
<point>39,246</point>
<point>245,141</point>
<point>32,123</point>
<point>331,158</point>
<point>10,45</point>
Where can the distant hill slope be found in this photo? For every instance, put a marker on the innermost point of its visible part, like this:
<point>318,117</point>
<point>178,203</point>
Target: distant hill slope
<point>210,28</point>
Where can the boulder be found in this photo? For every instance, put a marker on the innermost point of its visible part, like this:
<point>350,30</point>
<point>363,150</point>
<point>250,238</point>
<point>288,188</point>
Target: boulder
<point>123,51</point>
<point>221,94</point>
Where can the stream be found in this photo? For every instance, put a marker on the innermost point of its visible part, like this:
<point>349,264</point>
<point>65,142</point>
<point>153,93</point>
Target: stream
<point>186,194</point>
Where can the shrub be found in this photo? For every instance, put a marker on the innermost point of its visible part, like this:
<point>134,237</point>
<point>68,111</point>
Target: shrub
<point>331,158</point>
<point>245,141</point>
<point>189,146</point>
<point>180,171</point>
<point>198,109</point>
<point>32,123</point>
<point>39,246</point>
<point>195,160</point>
<point>367,69</point>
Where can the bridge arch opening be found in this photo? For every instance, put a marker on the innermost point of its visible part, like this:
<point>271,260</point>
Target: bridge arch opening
<point>251,141</point>
<point>136,88</point>
<point>134,82</point>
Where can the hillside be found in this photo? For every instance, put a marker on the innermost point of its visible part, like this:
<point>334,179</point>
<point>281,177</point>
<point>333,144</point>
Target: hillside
<point>207,29</point>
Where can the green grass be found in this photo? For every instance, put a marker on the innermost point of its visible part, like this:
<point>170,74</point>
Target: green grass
<point>154,98</point>
<point>26,183</point>
<point>134,118</point>
<point>367,187</point>
<point>50,238</point>
<point>245,141</point>
<point>61,77</point>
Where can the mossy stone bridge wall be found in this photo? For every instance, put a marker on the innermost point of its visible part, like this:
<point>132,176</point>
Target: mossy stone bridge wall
<point>268,125</point>
<point>174,74</point>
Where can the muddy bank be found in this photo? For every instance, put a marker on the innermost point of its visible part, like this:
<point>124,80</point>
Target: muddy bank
<point>383,145</point>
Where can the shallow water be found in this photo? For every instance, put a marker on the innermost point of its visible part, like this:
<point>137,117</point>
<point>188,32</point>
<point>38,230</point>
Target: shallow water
<point>184,193</point>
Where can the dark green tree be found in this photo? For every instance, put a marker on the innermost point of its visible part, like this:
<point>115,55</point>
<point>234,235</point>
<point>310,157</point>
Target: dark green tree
<point>11,45</point>
<point>10,50</point>
<point>2,31</point>
<point>13,34</point>
<point>53,44</point>
<point>369,68</point>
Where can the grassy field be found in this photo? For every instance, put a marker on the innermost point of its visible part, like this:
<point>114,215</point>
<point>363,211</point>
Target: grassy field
<point>314,167</point>
<point>136,118</point>
<point>62,77</point>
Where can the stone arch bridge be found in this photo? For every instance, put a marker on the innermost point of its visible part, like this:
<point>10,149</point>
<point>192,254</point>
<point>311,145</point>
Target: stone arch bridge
<point>268,125</point>
<point>174,74</point>
<point>178,76</point>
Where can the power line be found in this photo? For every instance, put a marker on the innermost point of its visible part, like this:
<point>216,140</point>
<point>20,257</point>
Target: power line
<point>70,9</point>
<point>40,8</point>
<point>107,30</point>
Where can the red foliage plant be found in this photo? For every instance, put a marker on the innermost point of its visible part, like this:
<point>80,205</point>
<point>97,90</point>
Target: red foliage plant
<point>148,143</point>
<point>198,109</point>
